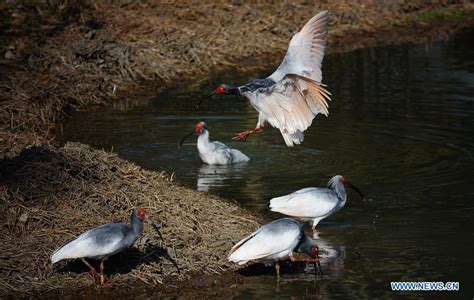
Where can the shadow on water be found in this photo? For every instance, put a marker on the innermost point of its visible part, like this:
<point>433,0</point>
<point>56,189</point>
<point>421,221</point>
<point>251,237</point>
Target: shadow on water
<point>401,128</point>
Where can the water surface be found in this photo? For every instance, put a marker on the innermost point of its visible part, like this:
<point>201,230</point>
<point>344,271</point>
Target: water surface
<point>401,128</point>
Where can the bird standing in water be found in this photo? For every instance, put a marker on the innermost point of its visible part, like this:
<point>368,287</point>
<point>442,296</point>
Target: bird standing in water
<point>214,153</point>
<point>102,242</point>
<point>314,203</point>
<point>293,95</point>
<point>275,241</point>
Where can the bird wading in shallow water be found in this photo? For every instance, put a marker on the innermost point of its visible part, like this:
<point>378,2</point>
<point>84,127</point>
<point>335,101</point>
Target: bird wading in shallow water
<point>103,241</point>
<point>314,203</point>
<point>293,95</point>
<point>275,241</point>
<point>214,153</point>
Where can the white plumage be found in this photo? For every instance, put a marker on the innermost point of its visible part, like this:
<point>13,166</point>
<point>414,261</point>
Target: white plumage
<point>86,246</point>
<point>314,203</point>
<point>214,152</point>
<point>217,153</point>
<point>271,242</point>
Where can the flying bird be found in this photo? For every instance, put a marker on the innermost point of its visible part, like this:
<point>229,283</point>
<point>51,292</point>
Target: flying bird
<point>214,153</point>
<point>101,242</point>
<point>291,97</point>
<point>314,203</point>
<point>275,241</point>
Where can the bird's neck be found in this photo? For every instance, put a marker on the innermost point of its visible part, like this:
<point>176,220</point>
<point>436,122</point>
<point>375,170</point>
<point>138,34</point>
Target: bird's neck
<point>233,90</point>
<point>136,226</point>
<point>305,244</point>
<point>203,139</point>
<point>340,191</point>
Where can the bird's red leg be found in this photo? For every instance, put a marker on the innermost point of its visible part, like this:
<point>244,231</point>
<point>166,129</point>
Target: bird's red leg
<point>310,260</point>
<point>102,277</point>
<point>92,271</point>
<point>245,134</point>
<point>277,269</point>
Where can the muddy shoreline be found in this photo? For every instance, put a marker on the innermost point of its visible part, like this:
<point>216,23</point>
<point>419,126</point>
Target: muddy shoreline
<point>56,59</point>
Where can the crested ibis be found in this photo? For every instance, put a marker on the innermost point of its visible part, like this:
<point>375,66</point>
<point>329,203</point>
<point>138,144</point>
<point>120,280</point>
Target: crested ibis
<point>291,97</point>
<point>273,242</point>
<point>214,152</point>
<point>102,242</point>
<point>314,203</point>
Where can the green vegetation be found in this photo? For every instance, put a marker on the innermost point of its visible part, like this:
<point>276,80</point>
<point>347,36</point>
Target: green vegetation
<point>440,14</point>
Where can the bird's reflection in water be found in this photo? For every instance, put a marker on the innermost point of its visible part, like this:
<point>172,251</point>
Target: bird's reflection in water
<point>210,177</point>
<point>331,257</point>
<point>332,264</point>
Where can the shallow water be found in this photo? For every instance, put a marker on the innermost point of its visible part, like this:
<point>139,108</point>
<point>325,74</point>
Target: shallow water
<point>401,128</point>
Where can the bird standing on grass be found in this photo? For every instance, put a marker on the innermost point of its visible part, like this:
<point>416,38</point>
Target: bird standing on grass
<point>276,241</point>
<point>293,95</point>
<point>102,242</point>
<point>314,203</point>
<point>214,153</point>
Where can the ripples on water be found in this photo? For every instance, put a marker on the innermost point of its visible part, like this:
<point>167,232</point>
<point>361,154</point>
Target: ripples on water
<point>400,127</point>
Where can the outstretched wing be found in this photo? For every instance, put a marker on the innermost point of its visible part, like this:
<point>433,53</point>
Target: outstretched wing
<point>298,95</point>
<point>306,50</point>
<point>291,105</point>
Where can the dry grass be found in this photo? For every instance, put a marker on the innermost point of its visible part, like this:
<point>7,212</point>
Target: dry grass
<point>49,196</point>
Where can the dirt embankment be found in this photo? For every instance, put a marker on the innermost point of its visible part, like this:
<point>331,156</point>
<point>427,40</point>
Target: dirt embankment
<point>52,194</point>
<point>60,56</point>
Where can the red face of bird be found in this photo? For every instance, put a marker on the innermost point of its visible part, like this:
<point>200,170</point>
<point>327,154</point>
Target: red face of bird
<point>221,89</point>
<point>200,127</point>
<point>141,213</point>
<point>315,252</point>
<point>344,180</point>
<point>349,184</point>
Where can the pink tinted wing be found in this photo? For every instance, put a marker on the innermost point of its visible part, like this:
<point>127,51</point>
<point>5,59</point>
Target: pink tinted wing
<point>291,105</point>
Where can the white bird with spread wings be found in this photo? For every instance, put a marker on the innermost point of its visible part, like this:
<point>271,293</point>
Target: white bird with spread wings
<point>291,97</point>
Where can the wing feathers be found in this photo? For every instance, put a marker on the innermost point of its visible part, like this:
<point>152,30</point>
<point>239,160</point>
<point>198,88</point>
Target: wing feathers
<point>298,94</point>
<point>306,50</point>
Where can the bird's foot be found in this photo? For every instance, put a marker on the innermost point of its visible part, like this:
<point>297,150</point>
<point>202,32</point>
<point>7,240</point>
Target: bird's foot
<point>245,134</point>
<point>94,275</point>
<point>105,283</point>
<point>242,136</point>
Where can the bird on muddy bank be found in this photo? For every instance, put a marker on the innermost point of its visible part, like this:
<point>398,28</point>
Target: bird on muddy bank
<point>315,203</point>
<point>214,152</point>
<point>276,241</point>
<point>291,97</point>
<point>102,242</point>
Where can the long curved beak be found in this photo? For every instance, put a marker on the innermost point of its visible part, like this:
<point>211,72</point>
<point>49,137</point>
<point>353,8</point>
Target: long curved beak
<point>184,138</point>
<point>205,97</point>
<point>156,227</point>
<point>355,189</point>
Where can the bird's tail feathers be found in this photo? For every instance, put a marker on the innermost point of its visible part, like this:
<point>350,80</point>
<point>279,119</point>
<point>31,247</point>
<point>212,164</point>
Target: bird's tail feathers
<point>58,255</point>
<point>318,95</point>
<point>70,250</point>
<point>277,202</point>
<point>292,138</point>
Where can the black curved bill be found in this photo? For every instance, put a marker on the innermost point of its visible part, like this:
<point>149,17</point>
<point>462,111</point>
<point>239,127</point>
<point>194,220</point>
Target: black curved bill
<point>356,189</point>
<point>205,97</point>
<point>157,228</point>
<point>184,138</point>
